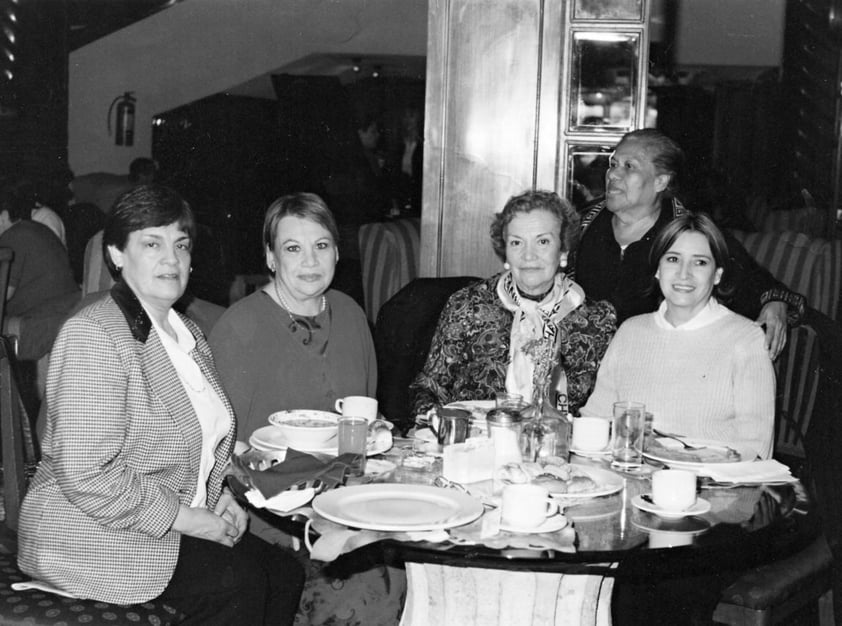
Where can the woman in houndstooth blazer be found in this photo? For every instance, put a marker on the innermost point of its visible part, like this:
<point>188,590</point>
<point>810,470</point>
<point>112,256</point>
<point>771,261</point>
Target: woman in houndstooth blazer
<point>127,504</point>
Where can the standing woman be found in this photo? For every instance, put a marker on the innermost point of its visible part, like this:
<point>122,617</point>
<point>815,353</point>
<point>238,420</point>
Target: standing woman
<point>127,504</point>
<point>612,260</point>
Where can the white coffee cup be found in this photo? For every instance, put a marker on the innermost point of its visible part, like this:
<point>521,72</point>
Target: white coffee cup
<point>590,434</point>
<point>526,506</point>
<point>674,490</point>
<point>358,406</point>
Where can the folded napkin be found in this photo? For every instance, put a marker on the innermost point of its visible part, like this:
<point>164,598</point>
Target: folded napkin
<point>769,471</point>
<point>40,585</point>
<point>298,471</point>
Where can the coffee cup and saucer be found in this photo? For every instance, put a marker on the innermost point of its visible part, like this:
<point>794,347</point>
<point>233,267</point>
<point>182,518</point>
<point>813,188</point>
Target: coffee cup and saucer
<point>527,508</point>
<point>590,436</point>
<point>673,495</point>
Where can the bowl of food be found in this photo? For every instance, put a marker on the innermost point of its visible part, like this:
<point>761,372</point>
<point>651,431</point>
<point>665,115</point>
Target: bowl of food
<point>306,429</point>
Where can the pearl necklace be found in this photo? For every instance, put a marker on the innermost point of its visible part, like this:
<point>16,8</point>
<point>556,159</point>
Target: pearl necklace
<point>297,323</point>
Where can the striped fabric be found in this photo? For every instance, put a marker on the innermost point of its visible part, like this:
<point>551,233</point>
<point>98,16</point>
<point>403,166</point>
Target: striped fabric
<point>790,257</point>
<point>389,252</point>
<point>808,220</point>
<point>829,270</point>
<point>95,276</point>
<point>797,371</point>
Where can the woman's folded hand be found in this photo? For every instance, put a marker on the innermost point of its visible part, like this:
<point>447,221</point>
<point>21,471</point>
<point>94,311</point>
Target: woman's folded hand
<point>228,509</point>
<point>204,524</point>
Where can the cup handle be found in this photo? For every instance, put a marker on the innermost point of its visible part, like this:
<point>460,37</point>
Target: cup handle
<point>338,406</point>
<point>552,508</point>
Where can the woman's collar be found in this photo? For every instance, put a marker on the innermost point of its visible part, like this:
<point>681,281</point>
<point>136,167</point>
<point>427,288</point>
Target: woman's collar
<point>711,312</point>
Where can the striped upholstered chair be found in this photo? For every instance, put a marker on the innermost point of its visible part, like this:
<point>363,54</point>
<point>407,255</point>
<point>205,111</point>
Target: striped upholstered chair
<point>389,253</point>
<point>829,269</point>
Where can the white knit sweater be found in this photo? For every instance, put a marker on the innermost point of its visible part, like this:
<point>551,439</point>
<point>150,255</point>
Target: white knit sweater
<point>714,382</point>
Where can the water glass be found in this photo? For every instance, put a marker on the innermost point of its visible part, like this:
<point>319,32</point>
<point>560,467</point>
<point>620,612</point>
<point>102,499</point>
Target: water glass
<point>353,438</point>
<point>627,441</point>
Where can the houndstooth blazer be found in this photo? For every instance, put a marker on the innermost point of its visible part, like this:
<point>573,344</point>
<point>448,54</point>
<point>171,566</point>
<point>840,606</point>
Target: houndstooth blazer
<point>120,454</point>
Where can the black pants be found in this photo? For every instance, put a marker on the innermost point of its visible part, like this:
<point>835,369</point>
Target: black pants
<point>252,583</point>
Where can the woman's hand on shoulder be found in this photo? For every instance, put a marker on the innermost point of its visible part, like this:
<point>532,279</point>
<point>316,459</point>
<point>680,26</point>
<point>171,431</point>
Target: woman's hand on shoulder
<point>773,320</point>
<point>205,524</point>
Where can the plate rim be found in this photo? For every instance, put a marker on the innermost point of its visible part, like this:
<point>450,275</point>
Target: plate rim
<point>692,464</point>
<point>592,494</point>
<point>462,500</point>
<point>654,509</point>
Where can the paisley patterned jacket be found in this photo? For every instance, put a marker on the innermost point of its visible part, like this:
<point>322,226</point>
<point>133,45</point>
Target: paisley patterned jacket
<point>470,349</point>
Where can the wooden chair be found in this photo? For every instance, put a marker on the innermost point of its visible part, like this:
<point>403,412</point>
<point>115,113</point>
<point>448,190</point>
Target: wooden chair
<point>773,593</point>
<point>38,608</point>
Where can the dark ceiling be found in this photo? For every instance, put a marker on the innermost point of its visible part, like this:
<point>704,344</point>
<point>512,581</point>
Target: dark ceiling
<point>89,20</point>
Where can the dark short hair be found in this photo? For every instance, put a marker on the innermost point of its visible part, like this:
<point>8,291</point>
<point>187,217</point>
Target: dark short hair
<point>18,199</point>
<point>667,156</point>
<point>145,206</point>
<point>534,200</point>
<point>695,223</point>
<point>142,166</point>
<point>304,205</point>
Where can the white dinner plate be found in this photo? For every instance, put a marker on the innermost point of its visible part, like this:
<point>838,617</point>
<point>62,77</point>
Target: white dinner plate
<point>397,507</point>
<point>701,507</point>
<point>271,439</point>
<point>675,456</point>
<point>607,482</point>
<point>550,525</point>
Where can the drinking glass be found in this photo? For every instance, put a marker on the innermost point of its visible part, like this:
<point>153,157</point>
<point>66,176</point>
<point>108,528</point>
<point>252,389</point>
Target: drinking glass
<point>353,437</point>
<point>627,441</point>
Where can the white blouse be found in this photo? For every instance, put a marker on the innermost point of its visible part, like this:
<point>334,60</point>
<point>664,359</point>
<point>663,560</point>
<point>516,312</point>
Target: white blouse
<point>214,419</point>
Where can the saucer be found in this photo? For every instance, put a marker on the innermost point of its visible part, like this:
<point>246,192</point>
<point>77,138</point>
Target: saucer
<point>699,508</point>
<point>591,453</point>
<point>550,525</point>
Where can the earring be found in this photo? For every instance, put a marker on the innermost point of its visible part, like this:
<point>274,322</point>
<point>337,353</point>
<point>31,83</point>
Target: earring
<point>191,270</point>
<point>506,266</point>
<point>562,263</point>
<point>272,268</point>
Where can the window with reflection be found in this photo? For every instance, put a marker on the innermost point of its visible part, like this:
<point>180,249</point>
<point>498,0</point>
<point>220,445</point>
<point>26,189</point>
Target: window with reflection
<point>586,167</point>
<point>603,79</point>
<point>613,10</point>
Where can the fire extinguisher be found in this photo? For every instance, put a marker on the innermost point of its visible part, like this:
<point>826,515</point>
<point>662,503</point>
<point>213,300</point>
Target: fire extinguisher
<point>124,131</point>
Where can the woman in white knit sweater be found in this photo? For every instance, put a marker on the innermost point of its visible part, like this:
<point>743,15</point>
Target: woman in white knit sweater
<point>701,369</point>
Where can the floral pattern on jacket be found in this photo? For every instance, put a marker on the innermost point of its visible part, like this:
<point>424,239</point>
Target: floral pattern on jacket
<point>470,349</point>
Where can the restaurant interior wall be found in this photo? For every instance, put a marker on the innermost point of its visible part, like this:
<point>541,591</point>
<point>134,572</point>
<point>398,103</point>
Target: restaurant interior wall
<point>195,49</point>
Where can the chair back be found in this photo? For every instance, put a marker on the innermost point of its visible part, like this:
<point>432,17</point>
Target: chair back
<point>829,272</point>
<point>6,257</point>
<point>18,446</point>
<point>797,374</point>
<point>389,254</point>
<point>790,257</point>
<point>95,273</point>
<point>402,337</point>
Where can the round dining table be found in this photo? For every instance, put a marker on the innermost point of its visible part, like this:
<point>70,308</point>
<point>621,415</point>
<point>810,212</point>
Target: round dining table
<point>458,583</point>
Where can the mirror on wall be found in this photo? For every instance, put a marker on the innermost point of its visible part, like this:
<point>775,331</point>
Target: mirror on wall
<point>614,10</point>
<point>603,81</point>
<point>586,167</point>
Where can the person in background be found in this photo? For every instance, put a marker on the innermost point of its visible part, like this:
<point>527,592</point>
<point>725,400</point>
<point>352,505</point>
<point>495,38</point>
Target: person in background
<point>297,344</point>
<point>479,345</point>
<point>696,364</point>
<point>127,504</point>
<point>407,163</point>
<point>103,188</point>
<point>41,290</point>
<point>612,260</point>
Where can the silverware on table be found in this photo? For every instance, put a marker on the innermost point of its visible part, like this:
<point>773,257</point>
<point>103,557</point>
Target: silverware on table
<point>687,446</point>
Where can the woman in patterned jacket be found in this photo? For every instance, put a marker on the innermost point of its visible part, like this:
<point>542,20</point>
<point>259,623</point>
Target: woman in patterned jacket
<point>127,504</point>
<point>478,348</point>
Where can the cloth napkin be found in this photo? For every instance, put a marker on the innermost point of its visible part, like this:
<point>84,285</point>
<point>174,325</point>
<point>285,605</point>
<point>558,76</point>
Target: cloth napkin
<point>769,471</point>
<point>296,475</point>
